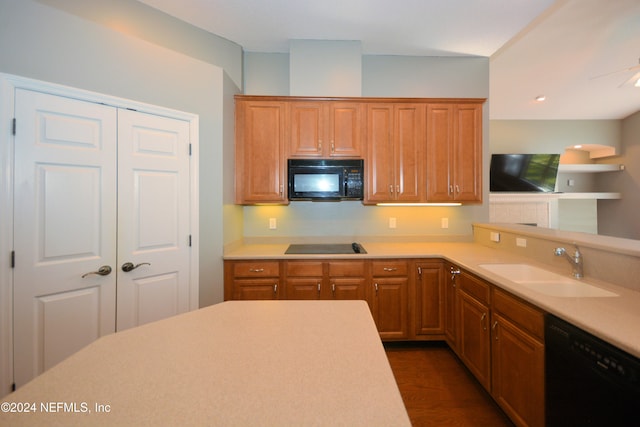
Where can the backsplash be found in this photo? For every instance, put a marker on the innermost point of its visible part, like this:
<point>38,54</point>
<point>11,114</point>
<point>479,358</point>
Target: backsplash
<point>609,259</point>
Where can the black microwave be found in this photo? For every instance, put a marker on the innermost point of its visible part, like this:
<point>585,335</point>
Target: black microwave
<point>326,179</point>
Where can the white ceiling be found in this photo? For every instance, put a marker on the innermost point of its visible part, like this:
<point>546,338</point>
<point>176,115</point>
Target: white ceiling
<point>537,47</point>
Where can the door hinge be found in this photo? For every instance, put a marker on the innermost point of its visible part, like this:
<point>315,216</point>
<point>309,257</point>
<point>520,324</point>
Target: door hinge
<point>189,240</point>
<point>189,148</point>
<point>13,259</point>
<point>13,126</point>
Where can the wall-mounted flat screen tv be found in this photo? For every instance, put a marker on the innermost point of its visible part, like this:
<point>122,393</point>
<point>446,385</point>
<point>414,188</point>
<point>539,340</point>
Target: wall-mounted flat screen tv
<point>524,172</point>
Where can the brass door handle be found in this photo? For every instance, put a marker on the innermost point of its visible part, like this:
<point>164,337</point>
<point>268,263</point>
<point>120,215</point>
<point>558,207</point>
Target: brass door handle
<point>102,271</point>
<point>128,266</point>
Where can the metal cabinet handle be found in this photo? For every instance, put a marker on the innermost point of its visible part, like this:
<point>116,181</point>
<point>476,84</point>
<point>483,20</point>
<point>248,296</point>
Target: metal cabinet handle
<point>128,266</point>
<point>454,273</point>
<point>457,189</point>
<point>275,288</point>
<point>256,270</point>
<point>105,270</point>
<point>494,329</point>
<point>376,286</point>
<point>391,188</point>
<point>333,288</point>
<point>484,326</point>
<point>318,287</point>
<point>389,269</point>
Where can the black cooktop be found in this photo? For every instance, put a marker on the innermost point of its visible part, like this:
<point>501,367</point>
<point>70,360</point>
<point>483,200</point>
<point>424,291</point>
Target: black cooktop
<point>330,249</point>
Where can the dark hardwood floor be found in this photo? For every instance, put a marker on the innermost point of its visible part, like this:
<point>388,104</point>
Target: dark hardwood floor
<point>438,390</point>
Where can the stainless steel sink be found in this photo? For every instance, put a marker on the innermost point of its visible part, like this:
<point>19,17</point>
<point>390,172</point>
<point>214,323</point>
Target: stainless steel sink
<point>546,282</point>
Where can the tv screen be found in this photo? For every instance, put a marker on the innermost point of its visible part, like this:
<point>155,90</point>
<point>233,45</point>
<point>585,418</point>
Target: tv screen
<point>524,172</point>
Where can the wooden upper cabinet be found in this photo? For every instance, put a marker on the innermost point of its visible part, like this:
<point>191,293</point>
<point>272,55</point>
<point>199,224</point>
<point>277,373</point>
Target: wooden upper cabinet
<point>260,155</point>
<point>395,134</point>
<point>454,152</point>
<point>325,129</point>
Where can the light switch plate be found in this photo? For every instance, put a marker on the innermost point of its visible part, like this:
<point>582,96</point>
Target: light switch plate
<point>444,223</point>
<point>392,223</point>
<point>273,224</point>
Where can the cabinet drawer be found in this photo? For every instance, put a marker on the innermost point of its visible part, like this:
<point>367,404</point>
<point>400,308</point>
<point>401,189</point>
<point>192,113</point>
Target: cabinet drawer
<point>475,287</point>
<point>525,316</point>
<point>389,268</point>
<point>346,269</point>
<point>304,268</point>
<point>256,269</point>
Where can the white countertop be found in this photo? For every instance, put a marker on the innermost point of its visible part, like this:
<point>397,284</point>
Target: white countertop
<point>614,319</point>
<point>238,363</point>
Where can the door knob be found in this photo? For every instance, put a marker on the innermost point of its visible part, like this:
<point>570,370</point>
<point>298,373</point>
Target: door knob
<point>102,271</point>
<point>128,266</point>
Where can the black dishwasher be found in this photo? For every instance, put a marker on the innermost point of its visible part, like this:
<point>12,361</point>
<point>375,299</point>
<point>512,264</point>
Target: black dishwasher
<point>588,381</point>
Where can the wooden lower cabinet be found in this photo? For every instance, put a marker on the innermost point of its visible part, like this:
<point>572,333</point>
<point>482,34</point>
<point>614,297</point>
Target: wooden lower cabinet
<point>499,337</point>
<point>325,280</point>
<point>429,299</point>
<point>517,359</point>
<point>451,310</point>
<point>474,344</point>
<point>389,301</point>
<point>252,280</point>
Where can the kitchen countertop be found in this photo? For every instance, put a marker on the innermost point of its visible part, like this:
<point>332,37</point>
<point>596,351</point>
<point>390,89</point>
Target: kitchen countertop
<point>269,363</point>
<point>614,319</point>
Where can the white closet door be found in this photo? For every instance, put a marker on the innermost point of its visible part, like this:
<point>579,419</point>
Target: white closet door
<point>153,218</point>
<point>65,219</point>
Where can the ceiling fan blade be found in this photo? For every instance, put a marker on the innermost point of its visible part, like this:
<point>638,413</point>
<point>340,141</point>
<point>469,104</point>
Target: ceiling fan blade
<point>631,80</point>
<point>624,70</point>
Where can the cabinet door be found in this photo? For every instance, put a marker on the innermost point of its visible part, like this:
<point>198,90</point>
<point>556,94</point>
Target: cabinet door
<point>307,129</point>
<point>467,153</point>
<point>304,287</point>
<point>389,306</point>
<point>408,140</point>
<point>429,298</point>
<point>347,288</point>
<point>255,289</point>
<point>346,121</point>
<point>439,142</point>
<point>517,373</point>
<point>260,157</point>
<point>474,344</point>
<point>454,152</point>
<point>451,311</point>
<point>380,165</point>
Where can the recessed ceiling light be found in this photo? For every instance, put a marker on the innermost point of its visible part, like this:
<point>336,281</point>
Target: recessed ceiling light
<point>540,98</point>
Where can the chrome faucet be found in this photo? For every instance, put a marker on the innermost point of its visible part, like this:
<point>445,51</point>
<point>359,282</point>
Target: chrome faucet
<point>576,260</point>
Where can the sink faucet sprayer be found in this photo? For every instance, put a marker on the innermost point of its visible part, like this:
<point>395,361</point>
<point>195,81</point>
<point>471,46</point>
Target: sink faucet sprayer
<point>575,260</point>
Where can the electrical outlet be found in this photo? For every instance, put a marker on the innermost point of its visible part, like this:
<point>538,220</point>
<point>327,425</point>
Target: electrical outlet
<point>495,236</point>
<point>273,224</point>
<point>444,223</point>
<point>392,223</point>
<point>521,242</point>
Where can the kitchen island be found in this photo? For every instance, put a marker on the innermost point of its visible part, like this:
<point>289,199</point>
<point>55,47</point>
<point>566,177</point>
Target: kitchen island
<point>269,363</point>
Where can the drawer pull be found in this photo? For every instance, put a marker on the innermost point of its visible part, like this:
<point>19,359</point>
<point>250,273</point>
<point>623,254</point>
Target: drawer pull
<point>275,288</point>
<point>484,325</point>
<point>256,270</point>
<point>390,269</point>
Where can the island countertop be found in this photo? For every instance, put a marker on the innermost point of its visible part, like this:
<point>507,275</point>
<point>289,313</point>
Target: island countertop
<point>237,363</point>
